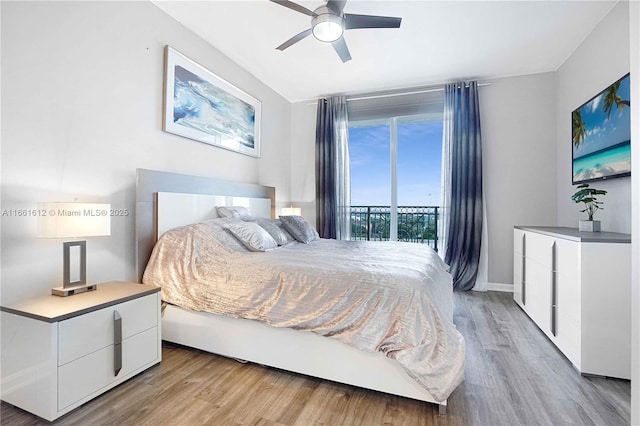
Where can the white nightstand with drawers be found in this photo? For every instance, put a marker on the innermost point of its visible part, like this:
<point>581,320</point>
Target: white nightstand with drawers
<point>60,352</point>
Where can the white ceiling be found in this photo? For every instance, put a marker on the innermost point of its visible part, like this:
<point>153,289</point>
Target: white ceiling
<point>439,41</point>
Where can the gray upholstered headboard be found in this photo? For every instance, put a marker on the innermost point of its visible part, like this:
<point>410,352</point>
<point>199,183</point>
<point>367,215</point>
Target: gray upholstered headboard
<point>150,182</point>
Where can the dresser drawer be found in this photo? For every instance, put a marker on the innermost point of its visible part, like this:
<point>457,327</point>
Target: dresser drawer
<point>568,259</point>
<point>538,248</point>
<point>88,333</point>
<point>92,373</point>
<point>567,338</point>
<point>517,241</point>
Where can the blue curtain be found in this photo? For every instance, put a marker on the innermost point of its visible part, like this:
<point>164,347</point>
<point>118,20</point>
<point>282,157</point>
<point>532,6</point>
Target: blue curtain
<point>463,143</point>
<point>333,185</point>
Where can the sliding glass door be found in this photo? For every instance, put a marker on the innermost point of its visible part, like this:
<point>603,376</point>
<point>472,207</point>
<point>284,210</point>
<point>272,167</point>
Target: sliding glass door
<point>395,178</point>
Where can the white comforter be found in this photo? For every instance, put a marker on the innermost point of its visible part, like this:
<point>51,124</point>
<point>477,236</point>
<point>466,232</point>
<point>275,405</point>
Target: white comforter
<point>394,298</point>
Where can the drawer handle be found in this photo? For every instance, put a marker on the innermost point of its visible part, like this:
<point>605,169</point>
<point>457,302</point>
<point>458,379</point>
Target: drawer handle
<point>554,290</point>
<point>117,343</point>
<point>524,269</point>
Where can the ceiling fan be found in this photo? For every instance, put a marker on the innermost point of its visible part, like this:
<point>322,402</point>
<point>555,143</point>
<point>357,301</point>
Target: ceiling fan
<point>329,22</point>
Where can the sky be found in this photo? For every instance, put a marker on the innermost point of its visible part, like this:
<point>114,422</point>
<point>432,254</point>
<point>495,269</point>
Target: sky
<point>418,170</point>
<point>601,131</point>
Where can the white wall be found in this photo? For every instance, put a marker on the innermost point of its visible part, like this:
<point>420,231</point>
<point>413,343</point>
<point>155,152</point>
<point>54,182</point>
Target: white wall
<point>519,168</point>
<point>600,60</point>
<point>634,49</point>
<point>303,158</point>
<point>82,86</point>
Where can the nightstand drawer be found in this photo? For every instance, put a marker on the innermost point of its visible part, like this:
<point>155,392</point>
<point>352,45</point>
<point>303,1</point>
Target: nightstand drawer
<point>88,333</point>
<point>83,377</point>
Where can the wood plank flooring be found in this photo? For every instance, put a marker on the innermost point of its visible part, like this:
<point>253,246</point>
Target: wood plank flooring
<point>514,376</point>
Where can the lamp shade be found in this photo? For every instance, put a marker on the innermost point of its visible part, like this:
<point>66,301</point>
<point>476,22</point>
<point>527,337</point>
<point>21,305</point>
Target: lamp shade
<point>291,211</point>
<point>68,220</point>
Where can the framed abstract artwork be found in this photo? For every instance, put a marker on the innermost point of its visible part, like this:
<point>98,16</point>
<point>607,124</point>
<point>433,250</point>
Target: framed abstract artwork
<point>201,106</point>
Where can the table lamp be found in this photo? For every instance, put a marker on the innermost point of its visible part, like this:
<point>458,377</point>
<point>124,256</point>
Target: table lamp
<point>291,211</point>
<point>74,220</point>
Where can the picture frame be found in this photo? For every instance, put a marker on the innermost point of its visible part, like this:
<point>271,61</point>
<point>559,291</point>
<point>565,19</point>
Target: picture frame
<point>201,106</point>
<point>601,135</point>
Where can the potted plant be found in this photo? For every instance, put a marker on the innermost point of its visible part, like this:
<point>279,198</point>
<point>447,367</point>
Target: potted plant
<point>587,195</point>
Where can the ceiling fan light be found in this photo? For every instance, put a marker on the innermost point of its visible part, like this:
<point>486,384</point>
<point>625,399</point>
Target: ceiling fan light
<point>327,27</point>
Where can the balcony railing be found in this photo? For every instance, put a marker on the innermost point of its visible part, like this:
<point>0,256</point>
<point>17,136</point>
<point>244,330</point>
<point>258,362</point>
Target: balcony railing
<point>417,224</point>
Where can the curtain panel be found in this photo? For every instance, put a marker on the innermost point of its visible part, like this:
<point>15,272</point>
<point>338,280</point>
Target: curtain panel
<point>463,204</point>
<point>333,185</point>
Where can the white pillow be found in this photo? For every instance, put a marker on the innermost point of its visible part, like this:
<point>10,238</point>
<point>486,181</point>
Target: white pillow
<point>218,230</point>
<point>299,228</point>
<point>237,212</point>
<point>274,228</point>
<point>253,236</point>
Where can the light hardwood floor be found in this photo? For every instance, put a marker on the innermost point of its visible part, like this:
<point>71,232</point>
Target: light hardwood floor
<point>514,375</point>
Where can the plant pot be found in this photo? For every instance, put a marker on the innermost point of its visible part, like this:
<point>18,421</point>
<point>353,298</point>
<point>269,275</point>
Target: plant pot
<point>589,226</point>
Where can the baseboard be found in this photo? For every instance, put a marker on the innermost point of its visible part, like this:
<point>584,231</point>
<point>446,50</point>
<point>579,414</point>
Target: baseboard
<point>500,287</point>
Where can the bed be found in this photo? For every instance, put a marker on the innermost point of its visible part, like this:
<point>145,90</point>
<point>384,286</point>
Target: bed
<point>362,349</point>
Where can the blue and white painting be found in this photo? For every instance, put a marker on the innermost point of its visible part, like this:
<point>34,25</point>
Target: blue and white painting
<point>601,135</point>
<point>201,106</point>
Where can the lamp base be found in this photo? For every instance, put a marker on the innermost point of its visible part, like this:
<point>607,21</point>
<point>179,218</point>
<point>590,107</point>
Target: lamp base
<point>71,290</point>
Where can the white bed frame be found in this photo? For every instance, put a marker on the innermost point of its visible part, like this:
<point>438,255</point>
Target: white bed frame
<point>287,349</point>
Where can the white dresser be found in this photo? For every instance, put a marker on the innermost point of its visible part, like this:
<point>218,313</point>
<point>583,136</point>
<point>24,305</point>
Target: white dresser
<point>576,286</point>
<point>60,352</point>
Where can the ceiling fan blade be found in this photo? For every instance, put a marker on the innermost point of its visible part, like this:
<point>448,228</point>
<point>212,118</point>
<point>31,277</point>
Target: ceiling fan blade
<point>352,22</point>
<point>341,49</point>
<point>293,6</point>
<point>293,40</point>
<point>336,5</point>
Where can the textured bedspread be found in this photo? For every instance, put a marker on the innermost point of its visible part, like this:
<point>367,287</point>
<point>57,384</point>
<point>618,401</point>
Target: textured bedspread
<point>389,297</point>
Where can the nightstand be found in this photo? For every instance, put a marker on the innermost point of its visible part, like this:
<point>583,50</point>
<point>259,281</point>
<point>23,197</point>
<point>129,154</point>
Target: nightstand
<point>60,352</point>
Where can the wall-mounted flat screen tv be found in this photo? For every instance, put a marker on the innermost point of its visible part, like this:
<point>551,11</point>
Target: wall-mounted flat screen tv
<point>601,133</point>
